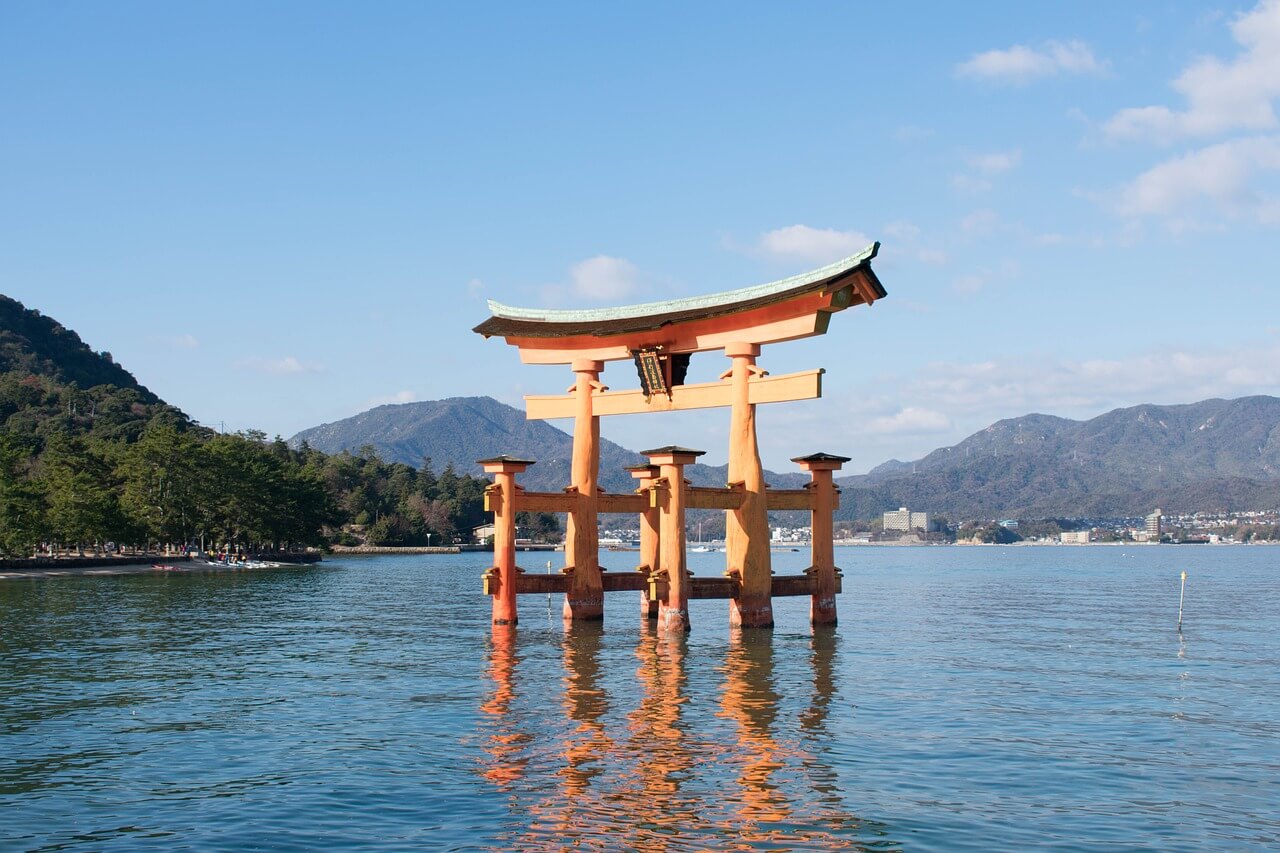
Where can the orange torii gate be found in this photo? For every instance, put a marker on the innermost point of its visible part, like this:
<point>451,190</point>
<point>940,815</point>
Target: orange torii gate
<point>659,338</point>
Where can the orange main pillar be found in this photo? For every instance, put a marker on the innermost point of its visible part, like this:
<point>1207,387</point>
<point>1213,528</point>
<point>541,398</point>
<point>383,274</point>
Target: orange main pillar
<point>822,605</point>
<point>585,599</point>
<point>747,528</point>
<point>673,609</point>
<point>501,500</point>
<point>649,537</point>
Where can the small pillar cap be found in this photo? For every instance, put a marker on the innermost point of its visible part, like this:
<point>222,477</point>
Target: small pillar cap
<point>673,454</point>
<point>820,461</point>
<point>505,463</point>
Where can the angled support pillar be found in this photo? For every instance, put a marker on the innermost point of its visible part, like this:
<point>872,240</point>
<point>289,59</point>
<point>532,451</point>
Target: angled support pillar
<point>673,606</point>
<point>747,528</point>
<point>822,605</point>
<point>650,562</point>
<point>500,581</point>
<point>584,601</point>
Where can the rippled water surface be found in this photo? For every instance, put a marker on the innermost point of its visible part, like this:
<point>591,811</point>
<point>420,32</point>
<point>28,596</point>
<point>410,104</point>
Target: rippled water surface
<point>970,699</point>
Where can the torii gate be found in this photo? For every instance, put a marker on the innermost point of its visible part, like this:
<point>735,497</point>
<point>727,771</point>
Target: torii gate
<point>659,338</point>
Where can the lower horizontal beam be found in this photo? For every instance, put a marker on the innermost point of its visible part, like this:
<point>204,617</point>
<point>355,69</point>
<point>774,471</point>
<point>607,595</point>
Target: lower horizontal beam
<point>699,587</point>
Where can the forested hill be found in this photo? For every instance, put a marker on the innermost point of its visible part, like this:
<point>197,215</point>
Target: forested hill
<point>460,430</point>
<point>87,455</point>
<point>1214,454</point>
<point>34,344</point>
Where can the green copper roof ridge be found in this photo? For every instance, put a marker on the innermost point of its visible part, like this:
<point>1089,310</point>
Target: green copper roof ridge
<point>581,315</point>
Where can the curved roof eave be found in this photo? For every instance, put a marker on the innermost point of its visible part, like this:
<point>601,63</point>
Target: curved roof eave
<point>689,303</point>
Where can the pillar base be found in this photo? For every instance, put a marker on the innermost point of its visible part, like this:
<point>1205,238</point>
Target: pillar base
<point>822,610</point>
<point>583,609</point>
<point>674,620</point>
<point>511,621</point>
<point>750,613</point>
<point>648,607</point>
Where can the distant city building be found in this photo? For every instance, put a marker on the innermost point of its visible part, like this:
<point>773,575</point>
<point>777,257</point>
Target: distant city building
<point>1153,524</point>
<point>905,520</point>
<point>1074,537</point>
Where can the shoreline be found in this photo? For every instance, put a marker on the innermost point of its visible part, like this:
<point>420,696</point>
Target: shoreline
<point>128,566</point>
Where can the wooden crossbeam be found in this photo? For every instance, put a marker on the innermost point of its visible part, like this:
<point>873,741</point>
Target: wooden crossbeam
<point>778,499</point>
<point>700,587</point>
<point>699,497</point>
<point>806,385</point>
<point>705,497</point>
<point>545,501</point>
<point>608,502</point>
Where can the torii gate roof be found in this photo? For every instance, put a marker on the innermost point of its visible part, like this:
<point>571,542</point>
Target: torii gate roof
<point>794,307</point>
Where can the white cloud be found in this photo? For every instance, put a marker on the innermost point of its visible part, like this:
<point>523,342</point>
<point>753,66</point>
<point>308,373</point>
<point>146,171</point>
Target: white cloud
<point>819,245</point>
<point>1227,174</point>
<point>979,222</point>
<point>1221,96</point>
<point>909,421</point>
<point>991,390</point>
<point>604,278</point>
<point>475,287</point>
<point>912,133</point>
<point>996,162</point>
<point>933,257</point>
<point>286,366</point>
<point>902,230</point>
<point>969,283</point>
<point>389,399</point>
<point>970,184</point>
<point>1021,64</point>
<point>181,341</point>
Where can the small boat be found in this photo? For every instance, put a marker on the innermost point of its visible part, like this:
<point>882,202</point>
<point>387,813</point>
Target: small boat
<point>159,567</point>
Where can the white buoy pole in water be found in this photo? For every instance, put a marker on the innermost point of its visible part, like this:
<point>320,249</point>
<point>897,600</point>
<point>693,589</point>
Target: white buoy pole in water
<point>1181,595</point>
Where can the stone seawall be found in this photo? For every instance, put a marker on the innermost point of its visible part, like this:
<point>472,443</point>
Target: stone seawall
<point>379,549</point>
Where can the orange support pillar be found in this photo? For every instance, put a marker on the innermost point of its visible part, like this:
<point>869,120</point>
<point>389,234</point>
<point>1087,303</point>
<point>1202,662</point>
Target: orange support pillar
<point>673,609</point>
<point>747,528</point>
<point>822,606</point>
<point>585,599</point>
<point>501,500</point>
<point>649,537</point>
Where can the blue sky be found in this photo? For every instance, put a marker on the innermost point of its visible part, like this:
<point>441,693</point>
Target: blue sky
<point>280,214</point>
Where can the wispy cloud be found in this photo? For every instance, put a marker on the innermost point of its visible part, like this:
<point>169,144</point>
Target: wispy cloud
<point>1019,65</point>
<point>996,162</point>
<point>1002,388</point>
<point>912,133</point>
<point>286,366</point>
<point>1227,175</point>
<point>910,420</point>
<point>804,242</point>
<point>604,278</point>
<point>389,399</point>
<point>1221,95</point>
<point>180,341</point>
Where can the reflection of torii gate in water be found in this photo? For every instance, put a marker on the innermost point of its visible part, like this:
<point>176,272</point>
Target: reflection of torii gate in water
<point>660,337</point>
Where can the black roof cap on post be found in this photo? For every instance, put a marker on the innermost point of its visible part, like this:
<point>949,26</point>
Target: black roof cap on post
<point>504,458</point>
<point>673,448</point>
<point>821,457</point>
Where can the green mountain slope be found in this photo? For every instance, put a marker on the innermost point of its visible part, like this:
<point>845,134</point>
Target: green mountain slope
<point>34,344</point>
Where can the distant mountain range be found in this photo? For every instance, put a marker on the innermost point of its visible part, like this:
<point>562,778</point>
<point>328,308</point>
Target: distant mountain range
<point>1215,454</point>
<point>460,430</point>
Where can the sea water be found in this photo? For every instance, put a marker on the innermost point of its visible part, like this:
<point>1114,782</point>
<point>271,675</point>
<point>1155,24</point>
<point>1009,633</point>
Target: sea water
<point>980,698</point>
